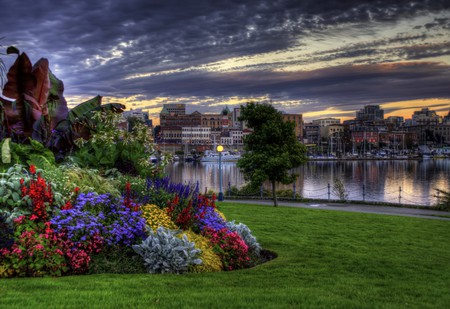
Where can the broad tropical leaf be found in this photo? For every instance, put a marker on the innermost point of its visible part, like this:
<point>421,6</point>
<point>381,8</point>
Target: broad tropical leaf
<point>40,94</point>
<point>80,111</point>
<point>6,151</point>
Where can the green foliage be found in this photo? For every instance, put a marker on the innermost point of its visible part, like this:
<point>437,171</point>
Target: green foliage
<point>35,253</point>
<point>12,204</point>
<point>339,190</point>
<point>164,252</point>
<point>6,151</point>
<point>272,149</point>
<point>110,147</point>
<point>32,152</point>
<point>116,261</point>
<point>444,199</point>
<point>67,177</point>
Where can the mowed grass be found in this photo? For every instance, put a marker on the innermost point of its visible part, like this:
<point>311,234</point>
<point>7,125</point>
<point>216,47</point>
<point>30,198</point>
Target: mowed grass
<point>326,259</point>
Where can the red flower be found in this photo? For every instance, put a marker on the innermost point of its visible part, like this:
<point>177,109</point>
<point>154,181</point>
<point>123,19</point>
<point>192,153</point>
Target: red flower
<point>67,206</point>
<point>32,169</point>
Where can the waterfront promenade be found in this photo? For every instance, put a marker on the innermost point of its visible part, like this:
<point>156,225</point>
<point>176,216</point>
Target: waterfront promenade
<point>374,209</point>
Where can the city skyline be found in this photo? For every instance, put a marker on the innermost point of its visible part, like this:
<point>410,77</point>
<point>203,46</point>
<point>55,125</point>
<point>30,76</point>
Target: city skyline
<point>319,59</point>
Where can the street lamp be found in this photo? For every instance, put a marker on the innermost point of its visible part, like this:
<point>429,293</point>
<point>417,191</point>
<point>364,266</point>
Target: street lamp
<point>219,150</point>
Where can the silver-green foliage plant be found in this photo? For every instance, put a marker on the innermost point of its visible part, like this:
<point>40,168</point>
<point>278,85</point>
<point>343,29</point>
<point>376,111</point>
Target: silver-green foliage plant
<point>164,252</point>
<point>246,234</point>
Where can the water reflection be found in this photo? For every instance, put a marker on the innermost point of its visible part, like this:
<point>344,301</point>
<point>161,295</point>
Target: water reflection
<point>409,182</point>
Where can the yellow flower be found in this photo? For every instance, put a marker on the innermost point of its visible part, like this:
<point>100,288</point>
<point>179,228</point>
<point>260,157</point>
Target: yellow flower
<point>211,261</point>
<point>156,217</point>
<point>220,214</point>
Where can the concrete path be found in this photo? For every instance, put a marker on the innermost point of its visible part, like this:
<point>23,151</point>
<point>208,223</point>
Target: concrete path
<point>375,209</point>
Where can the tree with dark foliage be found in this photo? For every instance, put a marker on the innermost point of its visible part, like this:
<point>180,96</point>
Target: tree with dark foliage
<point>272,149</point>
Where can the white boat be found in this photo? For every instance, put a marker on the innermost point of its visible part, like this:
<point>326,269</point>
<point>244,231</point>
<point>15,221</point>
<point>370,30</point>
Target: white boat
<point>212,156</point>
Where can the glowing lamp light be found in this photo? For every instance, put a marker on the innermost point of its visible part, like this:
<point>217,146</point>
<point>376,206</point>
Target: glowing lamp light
<point>219,150</point>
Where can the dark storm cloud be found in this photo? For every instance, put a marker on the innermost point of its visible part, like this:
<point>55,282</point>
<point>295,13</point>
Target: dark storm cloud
<point>376,82</point>
<point>94,45</point>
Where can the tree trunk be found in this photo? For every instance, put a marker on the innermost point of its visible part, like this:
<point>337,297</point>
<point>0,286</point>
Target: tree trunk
<point>274,194</point>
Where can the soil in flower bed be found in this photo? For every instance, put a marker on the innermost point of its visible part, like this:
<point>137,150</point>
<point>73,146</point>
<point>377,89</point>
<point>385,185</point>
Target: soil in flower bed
<point>266,256</point>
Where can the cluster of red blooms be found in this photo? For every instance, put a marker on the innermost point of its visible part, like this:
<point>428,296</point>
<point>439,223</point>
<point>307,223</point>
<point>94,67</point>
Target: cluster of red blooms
<point>41,251</point>
<point>202,203</point>
<point>39,192</point>
<point>183,218</point>
<point>128,200</point>
<point>232,250</point>
<point>68,204</point>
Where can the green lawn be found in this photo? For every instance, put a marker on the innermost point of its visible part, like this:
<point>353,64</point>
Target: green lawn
<point>325,259</point>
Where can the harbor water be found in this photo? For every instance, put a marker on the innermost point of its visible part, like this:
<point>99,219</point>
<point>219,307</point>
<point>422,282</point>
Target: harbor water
<point>391,181</point>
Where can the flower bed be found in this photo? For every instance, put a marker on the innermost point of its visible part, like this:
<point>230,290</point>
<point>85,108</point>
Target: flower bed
<point>160,228</point>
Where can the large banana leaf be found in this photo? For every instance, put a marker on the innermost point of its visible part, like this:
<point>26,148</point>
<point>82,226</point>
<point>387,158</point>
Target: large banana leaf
<point>57,111</point>
<point>20,82</point>
<point>57,105</point>
<point>81,111</point>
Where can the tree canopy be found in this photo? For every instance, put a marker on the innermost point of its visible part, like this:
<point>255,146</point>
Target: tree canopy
<point>272,149</point>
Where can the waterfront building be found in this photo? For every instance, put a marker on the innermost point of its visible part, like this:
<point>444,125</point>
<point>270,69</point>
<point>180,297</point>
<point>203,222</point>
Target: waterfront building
<point>425,117</point>
<point>365,135</point>
<point>311,133</point>
<point>196,135</point>
<point>441,134</point>
<point>180,120</point>
<point>395,121</point>
<point>236,123</point>
<point>370,113</point>
<point>174,109</point>
<point>331,130</point>
<point>237,137</point>
<point>170,135</point>
<point>326,122</point>
<point>446,119</point>
<point>297,119</point>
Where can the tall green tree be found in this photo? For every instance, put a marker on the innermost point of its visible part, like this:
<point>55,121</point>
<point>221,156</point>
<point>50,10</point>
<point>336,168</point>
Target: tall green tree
<point>272,149</point>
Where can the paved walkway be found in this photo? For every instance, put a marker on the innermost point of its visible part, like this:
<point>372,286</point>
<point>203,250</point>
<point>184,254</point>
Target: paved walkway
<point>382,210</point>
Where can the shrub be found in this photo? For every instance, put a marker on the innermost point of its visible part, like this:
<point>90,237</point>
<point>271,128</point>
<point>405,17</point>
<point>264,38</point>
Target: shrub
<point>246,234</point>
<point>164,252</point>
<point>40,251</point>
<point>110,148</point>
<point>339,190</point>
<point>211,261</point>
<point>444,199</point>
<point>67,177</point>
<point>22,193</point>
<point>230,247</point>
<point>156,217</point>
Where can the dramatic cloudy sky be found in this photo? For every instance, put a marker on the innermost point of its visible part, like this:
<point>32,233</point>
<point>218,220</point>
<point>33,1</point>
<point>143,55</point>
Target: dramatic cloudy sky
<point>319,58</point>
